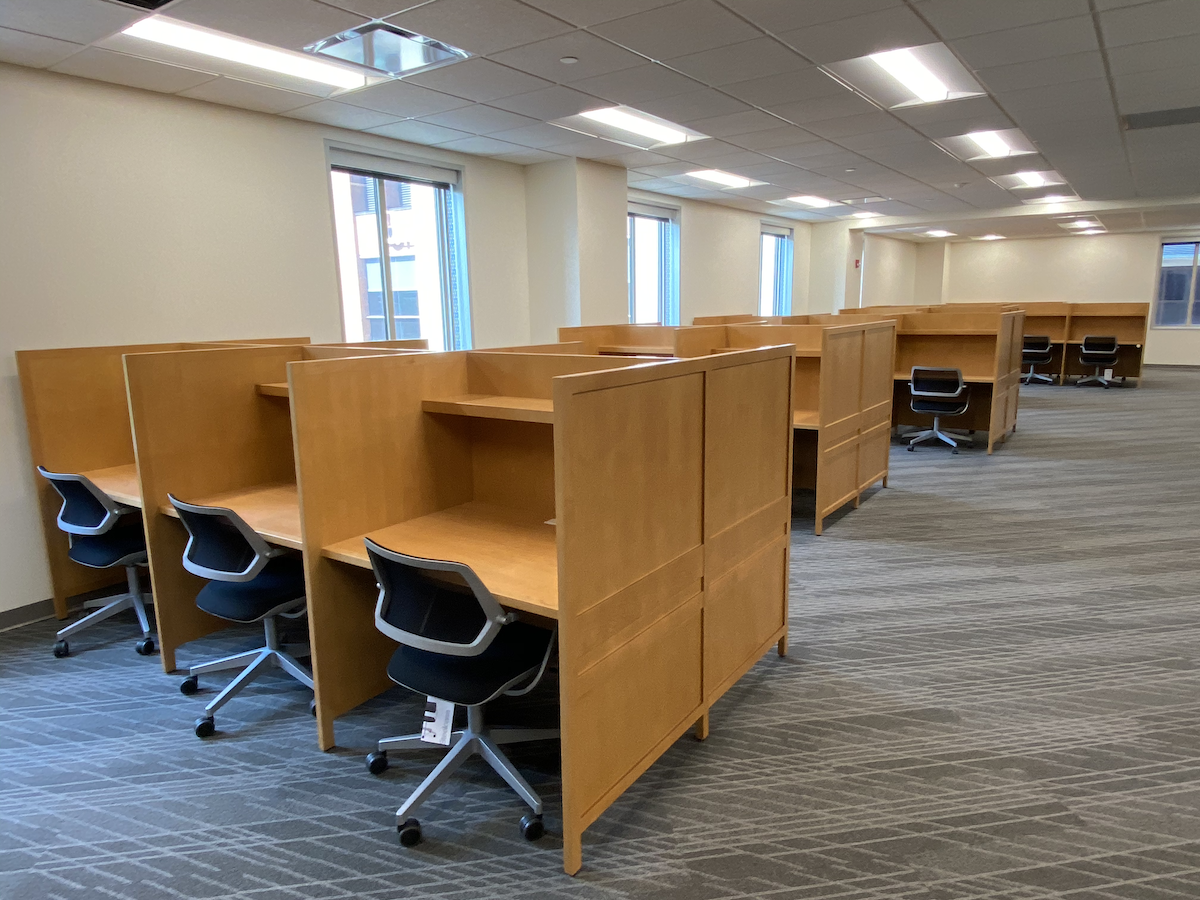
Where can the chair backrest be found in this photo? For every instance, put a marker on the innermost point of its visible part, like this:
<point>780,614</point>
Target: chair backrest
<point>434,605</point>
<point>1036,343</point>
<point>928,381</point>
<point>221,546</point>
<point>1099,344</point>
<point>86,509</point>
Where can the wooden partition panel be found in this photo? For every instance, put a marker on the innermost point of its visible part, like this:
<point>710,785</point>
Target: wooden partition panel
<point>1125,321</point>
<point>841,407</point>
<point>655,340</point>
<point>701,340</point>
<point>77,418</point>
<point>1048,318</point>
<point>736,320</point>
<point>200,428</point>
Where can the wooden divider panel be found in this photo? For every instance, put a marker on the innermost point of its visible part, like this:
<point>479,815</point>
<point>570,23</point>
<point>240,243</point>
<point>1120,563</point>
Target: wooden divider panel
<point>200,428</point>
<point>875,423</point>
<point>841,407</point>
<point>658,339</point>
<point>701,340</point>
<point>746,319</point>
<point>77,419</point>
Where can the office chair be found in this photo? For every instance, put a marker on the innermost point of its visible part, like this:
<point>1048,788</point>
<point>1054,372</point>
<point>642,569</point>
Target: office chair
<point>249,581</point>
<point>457,644</point>
<point>1036,352</point>
<point>940,392</point>
<point>1100,352</point>
<point>102,534</point>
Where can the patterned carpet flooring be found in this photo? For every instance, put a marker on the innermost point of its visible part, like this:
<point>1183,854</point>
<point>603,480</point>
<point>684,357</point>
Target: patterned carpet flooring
<point>993,694</point>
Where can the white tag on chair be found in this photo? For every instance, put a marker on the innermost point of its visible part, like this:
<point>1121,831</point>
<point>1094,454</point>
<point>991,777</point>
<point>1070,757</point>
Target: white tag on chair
<point>1108,374</point>
<point>439,721</point>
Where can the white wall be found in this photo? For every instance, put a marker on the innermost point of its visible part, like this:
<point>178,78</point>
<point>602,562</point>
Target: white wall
<point>930,276</point>
<point>832,278</point>
<point>128,216</point>
<point>603,251</point>
<point>889,271</point>
<point>553,248</point>
<point>718,260</point>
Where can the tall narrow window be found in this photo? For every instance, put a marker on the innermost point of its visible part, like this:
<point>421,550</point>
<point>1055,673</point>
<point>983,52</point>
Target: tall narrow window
<point>775,271</point>
<point>398,255</point>
<point>653,237</point>
<point>1177,304</point>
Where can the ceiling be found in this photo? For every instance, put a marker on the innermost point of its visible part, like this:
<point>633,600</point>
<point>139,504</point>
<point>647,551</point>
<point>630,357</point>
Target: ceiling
<point>745,72</point>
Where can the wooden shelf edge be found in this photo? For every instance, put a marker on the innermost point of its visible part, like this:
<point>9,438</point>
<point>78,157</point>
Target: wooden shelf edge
<point>278,389</point>
<point>514,409</point>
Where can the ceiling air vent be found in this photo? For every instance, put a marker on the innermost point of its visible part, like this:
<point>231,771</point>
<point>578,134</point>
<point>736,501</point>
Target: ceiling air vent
<point>1188,115</point>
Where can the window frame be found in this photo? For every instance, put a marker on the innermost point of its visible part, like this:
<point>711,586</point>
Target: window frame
<point>668,288</point>
<point>781,291</point>
<point>457,314</point>
<point>1193,320</point>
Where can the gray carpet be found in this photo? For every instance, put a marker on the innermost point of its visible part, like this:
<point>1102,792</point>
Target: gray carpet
<point>993,692</point>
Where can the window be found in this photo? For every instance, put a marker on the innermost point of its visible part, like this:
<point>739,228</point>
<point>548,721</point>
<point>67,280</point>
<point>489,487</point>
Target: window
<point>398,250</point>
<point>653,236</point>
<point>1177,302</point>
<point>775,272</point>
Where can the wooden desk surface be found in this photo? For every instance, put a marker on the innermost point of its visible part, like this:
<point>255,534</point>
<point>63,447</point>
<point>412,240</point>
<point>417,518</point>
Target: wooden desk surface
<point>969,379</point>
<point>806,419</point>
<point>272,510</point>
<point>634,350</point>
<point>485,406</point>
<point>513,552</point>
<point>274,389</point>
<point>119,482</point>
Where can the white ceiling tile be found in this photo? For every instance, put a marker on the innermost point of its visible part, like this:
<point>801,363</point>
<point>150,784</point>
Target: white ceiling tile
<point>482,146</point>
<point>677,30</point>
<point>1164,89</point>
<point>769,170</point>
<point>739,62</point>
<point>862,123</point>
<point>733,124</point>
<point>633,86</point>
<point>588,12</point>
<point>1031,42</point>
<point>104,65</point>
<point>638,158</point>
<point>538,135</point>
<point>374,9</point>
<point>529,157</point>
<point>595,56</point>
<point>798,153</point>
<point>1089,91</point>
<point>587,147</point>
<point>282,23</point>
<point>402,100</point>
<point>78,21</point>
<point>700,150</point>
<point>787,15</point>
<point>479,79</point>
<point>889,137</point>
<point>1042,72</point>
<point>790,87</point>
<point>779,136</point>
<point>851,38</point>
<point>417,132</point>
<point>961,18</point>
<point>807,112</point>
<point>330,112</point>
<point>668,169</point>
<point>1150,22</point>
<point>479,119</point>
<point>734,162</point>
<point>694,105</point>
<point>247,95</point>
<point>550,103</point>
<point>1165,54</point>
<point>1100,109</point>
<point>480,26</point>
<point>23,49</point>
<point>929,116</point>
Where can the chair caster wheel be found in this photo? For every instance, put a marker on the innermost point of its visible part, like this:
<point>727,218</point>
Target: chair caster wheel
<point>911,449</point>
<point>410,832</point>
<point>954,452</point>
<point>532,827</point>
<point>312,707</point>
<point>61,649</point>
<point>145,646</point>
<point>190,685</point>
<point>377,762</point>
<point>205,726</point>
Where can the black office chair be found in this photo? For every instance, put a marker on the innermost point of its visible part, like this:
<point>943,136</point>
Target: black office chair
<point>249,581</point>
<point>1036,352</point>
<point>102,534</point>
<point>942,393</point>
<point>1101,353</point>
<point>458,644</point>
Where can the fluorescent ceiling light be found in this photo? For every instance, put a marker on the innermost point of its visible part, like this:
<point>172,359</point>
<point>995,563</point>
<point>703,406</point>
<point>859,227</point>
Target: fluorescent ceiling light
<point>910,72</point>
<point>725,179</point>
<point>1094,231</point>
<point>161,30</point>
<point>627,121</point>
<point>866,215</point>
<point>814,202</point>
<point>1032,179</point>
<point>937,232</point>
<point>990,237</point>
<point>388,49</point>
<point>1080,223</point>
<point>991,143</point>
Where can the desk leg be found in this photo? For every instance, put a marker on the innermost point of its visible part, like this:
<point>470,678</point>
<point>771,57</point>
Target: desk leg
<point>702,727</point>
<point>781,649</point>
<point>857,500</point>
<point>572,849</point>
<point>818,526</point>
<point>324,729</point>
<point>167,658</point>
<point>885,478</point>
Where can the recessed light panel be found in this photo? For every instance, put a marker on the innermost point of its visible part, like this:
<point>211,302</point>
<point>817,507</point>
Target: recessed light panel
<point>939,233</point>
<point>909,76</point>
<point>625,125</point>
<point>388,49</point>
<point>812,202</point>
<point>724,179</point>
<point>988,144</point>
<point>1021,181</point>
<point>989,237</point>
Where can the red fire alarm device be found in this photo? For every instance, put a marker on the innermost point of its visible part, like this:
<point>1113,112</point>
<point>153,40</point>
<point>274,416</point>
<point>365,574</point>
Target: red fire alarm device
<point>857,263</point>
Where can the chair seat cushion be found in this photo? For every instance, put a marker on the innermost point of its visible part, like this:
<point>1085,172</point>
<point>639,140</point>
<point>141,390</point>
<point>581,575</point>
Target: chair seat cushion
<point>123,544</point>
<point>471,680</point>
<point>248,601</point>
<point>939,407</point>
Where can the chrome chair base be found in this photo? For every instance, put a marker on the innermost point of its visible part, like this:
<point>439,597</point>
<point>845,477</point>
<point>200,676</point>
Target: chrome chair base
<point>110,606</point>
<point>1032,377</point>
<point>474,740</point>
<point>1097,378</point>
<point>936,434</point>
